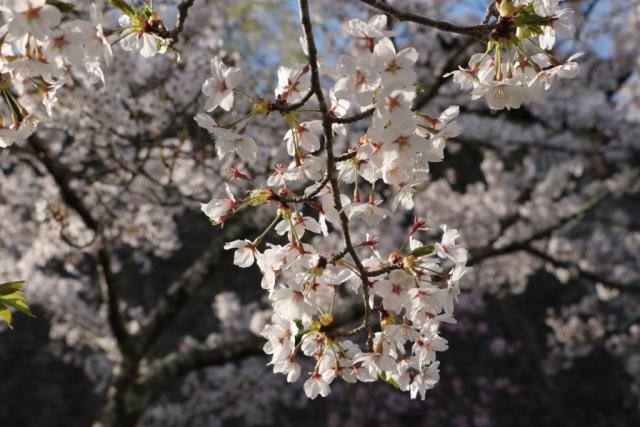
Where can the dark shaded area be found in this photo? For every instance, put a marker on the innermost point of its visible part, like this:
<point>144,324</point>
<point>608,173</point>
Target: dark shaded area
<point>36,388</point>
<point>480,386</point>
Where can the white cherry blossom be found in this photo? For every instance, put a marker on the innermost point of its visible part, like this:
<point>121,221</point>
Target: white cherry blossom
<point>219,88</point>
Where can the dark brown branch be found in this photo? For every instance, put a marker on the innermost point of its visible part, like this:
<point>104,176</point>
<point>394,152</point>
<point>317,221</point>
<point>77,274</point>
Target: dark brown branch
<point>179,292</point>
<point>157,26</point>
<point>481,254</point>
<point>285,108</point>
<point>346,156</point>
<point>307,197</point>
<point>183,12</point>
<point>450,62</point>
<point>477,255</point>
<point>62,178</point>
<point>354,118</point>
<point>589,275</point>
<point>332,173</point>
<point>479,32</point>
<point>164,372</point>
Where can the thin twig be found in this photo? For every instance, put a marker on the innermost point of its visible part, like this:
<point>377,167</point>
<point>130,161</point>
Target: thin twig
<point>479,32</point>
<point>332,172</point>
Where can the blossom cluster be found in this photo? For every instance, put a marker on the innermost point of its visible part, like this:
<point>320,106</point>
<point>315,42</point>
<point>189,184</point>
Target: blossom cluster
<point>43,45</point>
<point>38,52</point>
<point>411,289</point>
<point>517,66</point>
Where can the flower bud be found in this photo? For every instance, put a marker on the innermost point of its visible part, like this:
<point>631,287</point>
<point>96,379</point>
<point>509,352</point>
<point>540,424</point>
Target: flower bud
<point>395,257</point>
<point>260,196</point>
<point>261,107</point>
<point>409,262</point>
<point>506,8</point>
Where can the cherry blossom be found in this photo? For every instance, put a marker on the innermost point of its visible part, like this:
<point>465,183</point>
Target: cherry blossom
<point>336,181</point>
<point>219,88</point>
<point>228,141</point>
<point>33,17</point>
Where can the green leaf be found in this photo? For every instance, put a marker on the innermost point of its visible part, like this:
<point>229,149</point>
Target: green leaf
<point>123,7</point>
<point>531,19</point>
<point>11,297</point>
<point>11,287</point>
<point>62,6</point>
<point>5,313</point>
<point>423,250</point>
<point>18,302</point>
<point>389,380</point>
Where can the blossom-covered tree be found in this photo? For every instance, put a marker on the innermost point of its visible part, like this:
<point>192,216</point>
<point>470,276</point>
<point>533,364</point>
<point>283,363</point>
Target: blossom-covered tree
<point>382,166</point>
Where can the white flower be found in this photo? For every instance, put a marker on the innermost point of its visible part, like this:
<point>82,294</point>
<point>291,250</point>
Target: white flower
<point>404,197</point>
<point>298,224</point>
<point>290,304</point>
<point>370,213</point>
<point>65,46</point>
<point>374,29</point>
<point>393,290</point>
<point>375,363</point>
<point>394,106</point>
<point>357,78</point>
<point>500,94</point>
<point>228,141</point>
<point>305,135</point>
<point>292,84</point>
<point>270,261</point>
<point>560,26</point>
<point>448,247</point>
<point>27,127</point>
<point>315,386</point>
<point>400,334</point>
<point>566,70</point>
<point>425,301</point>
<point>545,7</point>
<point>425,380</point>
<point>339,106</point>
<point>428,344</point>
<point>289,367</point>
<point>280,335</point>
<point>99,43</point>
<point>219,88</point>
<point>218,210</point>
<point>135,37</point>
<point>25,68</point>
<point>395,68</point>
<point>33,17</point>
<point>244,255</point>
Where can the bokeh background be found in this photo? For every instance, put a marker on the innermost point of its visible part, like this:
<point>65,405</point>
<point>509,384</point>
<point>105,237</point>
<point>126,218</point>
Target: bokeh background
<point>546,197</point>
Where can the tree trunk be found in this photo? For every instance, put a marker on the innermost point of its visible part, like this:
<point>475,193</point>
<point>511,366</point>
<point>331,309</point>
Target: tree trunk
<point>125,402</point>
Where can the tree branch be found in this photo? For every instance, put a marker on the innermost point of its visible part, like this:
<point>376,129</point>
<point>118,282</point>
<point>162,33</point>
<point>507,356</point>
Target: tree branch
<point>179,292</point>
<point>572,266</point>
<point>332,173</point>
<point>163,372</point>
<point>479,32</point>
<point>62,178</point>
<point>480,254</point>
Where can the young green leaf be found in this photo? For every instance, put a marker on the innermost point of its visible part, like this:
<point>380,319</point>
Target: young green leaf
<point>11,297</point>
<point>11,287</point>
<point>123,7</point>
<point>62,6</point>
<point>5,314</point>
<point>423,250</point>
